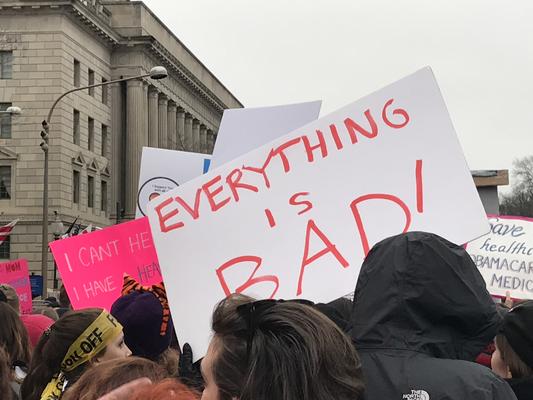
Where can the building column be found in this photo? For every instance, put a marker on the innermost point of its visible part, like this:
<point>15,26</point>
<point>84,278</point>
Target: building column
<point>146,117</point>
<point>163,119</point>
<point>210,141</point>
<point>153,117</point>
<point>203,138</point>
<point>180,128</point>
<point>171,125</point>
<point>196,135</point>
<point>117,136</point>
<point>134,139</point>
<point>188,132</point>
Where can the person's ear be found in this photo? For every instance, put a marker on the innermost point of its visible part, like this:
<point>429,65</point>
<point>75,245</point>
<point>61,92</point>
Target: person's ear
<point>509,375</point>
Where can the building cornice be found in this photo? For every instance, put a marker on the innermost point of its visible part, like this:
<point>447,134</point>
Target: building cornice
<point>93,17</point>
<point>175,66</point>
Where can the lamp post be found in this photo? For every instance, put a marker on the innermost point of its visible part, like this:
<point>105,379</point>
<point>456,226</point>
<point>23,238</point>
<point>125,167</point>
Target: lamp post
<point>57,229</point>
<point>12,111</point>
<point>155,73</point>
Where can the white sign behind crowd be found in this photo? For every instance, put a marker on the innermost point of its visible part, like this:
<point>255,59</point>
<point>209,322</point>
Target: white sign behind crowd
<point>244,129</point>
<point>295,218</point>
<point>505,256</point>
<point>163,170</point>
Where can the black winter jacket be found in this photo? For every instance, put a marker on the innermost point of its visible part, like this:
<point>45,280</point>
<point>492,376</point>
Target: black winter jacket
<point>522,388</point>
<point>421,314</point>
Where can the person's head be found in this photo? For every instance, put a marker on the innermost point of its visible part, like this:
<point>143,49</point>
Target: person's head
<point>145,316</point>
<point>73,343</point>
<point>513,357</point>
<point>278,350</point>
<point>64,300</point>
<point>45,310</point>
<point>168,389</point>
<point>11,296</point>
<point>403,299</point>
<point>106,376</point>
<point>36,325</point>
<point>13,336</point>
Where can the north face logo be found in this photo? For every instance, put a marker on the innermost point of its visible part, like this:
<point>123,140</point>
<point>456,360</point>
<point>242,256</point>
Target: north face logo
<point>416,395</point>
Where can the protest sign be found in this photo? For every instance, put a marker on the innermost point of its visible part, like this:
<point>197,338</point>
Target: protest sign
<point>296,217</point>
<point>92,265</point>
<point>504,256</point>
<point>15,273</point>
<point>245,129</point>
<point>163,170</point>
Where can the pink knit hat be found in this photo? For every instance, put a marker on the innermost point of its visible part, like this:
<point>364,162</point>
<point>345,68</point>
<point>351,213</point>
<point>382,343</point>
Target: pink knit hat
<point>36,324</point>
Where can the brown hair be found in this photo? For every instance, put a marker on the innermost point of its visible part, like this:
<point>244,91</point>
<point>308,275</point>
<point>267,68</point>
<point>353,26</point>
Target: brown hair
<point>51,350</point>
<point>13,335</point>
<point>103,377</point>
<point>311,357</point>
<point>168,389</point>
<point>5,374</point>
<point>169,360</point>
<point>518,368</point>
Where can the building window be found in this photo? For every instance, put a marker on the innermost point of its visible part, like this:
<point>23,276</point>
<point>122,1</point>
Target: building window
<point>5,248</point>
<point>5,122</point>
<point>76,187</point>
<point>104,140</point>
<point>91,133</point>
<point>77,73</point>
<point>91,82</point>
<point>5,182</point>
<point>6,64</point>
<point>90,191</point>
<point>76,127</point>
<point>104,92</point>
<point>103,200</point>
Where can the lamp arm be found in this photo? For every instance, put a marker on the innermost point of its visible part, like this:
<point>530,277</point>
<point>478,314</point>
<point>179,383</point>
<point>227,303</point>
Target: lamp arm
<point>49,117</point>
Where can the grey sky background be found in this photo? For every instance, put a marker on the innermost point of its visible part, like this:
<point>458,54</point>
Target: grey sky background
<point>278,52</point>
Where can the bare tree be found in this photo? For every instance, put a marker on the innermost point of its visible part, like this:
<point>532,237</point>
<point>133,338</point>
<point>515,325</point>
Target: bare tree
<point>520,201</point>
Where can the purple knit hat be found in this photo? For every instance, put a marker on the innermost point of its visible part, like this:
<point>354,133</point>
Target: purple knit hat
<point>143,312</point>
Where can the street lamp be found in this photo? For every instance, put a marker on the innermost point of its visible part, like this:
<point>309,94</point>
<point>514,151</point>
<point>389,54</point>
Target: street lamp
<point>57,230</point>
<point>12,110</point>
<point>155,73</point>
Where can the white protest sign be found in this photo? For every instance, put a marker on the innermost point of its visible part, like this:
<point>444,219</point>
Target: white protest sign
<point>505,256</point>
<point>163,170</point>
<point>244,129</point>
<point>295,218</point>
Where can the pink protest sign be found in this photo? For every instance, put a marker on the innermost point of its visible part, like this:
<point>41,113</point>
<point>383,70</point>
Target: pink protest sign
<point>15,273</point>
<point>92,265</point>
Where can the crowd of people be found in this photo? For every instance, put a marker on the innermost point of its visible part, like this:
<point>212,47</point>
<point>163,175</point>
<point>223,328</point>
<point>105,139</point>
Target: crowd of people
<point>419,318</point>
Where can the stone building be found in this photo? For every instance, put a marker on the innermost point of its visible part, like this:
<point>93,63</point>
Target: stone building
<point>487,182</point>
<point>48,47</point>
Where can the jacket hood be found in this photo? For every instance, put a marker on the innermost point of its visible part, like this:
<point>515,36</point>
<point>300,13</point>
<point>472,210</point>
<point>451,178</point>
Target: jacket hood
<point>420,292</point>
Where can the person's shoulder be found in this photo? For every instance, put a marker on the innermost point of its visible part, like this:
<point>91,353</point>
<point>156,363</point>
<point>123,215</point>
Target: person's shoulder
<point>475,378</point>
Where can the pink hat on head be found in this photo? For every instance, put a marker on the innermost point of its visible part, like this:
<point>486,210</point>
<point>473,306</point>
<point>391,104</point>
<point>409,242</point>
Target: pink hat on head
<point>36,324</point>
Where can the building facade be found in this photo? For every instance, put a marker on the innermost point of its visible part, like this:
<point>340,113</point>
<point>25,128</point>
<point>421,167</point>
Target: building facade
<point>96,135</point>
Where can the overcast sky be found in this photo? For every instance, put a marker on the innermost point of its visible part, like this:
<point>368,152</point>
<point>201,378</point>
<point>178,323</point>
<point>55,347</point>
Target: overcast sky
<point>286,51</point>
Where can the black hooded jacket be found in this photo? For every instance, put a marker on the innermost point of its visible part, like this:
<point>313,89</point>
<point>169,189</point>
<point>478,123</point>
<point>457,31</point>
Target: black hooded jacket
<point>421,314</point>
